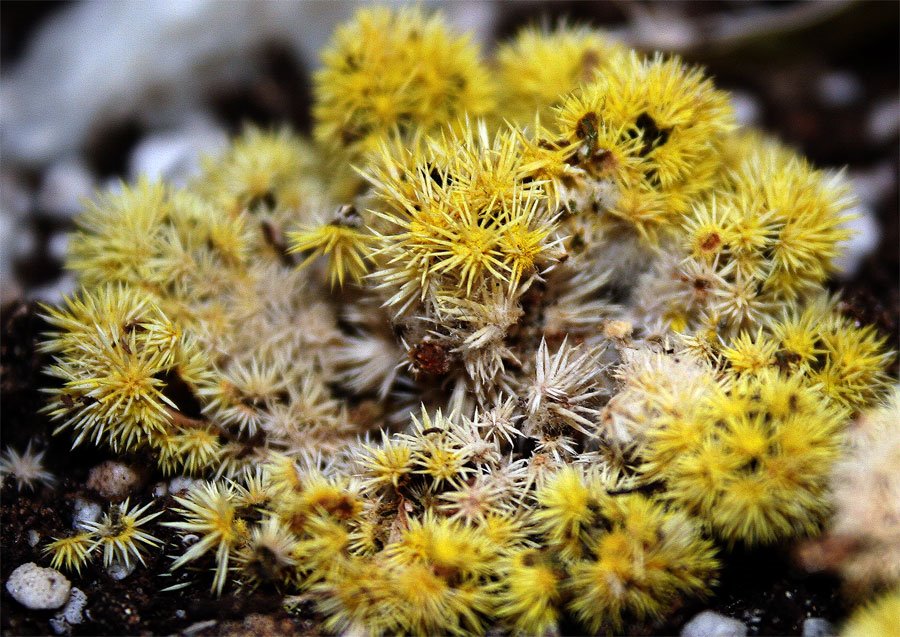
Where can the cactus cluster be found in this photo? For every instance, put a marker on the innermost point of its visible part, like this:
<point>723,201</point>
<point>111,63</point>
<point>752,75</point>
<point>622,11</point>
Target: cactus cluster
<point>525,347</point>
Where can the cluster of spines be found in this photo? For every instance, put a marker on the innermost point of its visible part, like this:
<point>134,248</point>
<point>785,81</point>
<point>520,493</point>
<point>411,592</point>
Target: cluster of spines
<point>591,447</point>
<point>119,535</point>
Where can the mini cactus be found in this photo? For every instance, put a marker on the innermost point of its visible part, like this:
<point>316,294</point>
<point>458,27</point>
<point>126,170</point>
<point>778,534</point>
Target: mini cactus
<point>517,351</point>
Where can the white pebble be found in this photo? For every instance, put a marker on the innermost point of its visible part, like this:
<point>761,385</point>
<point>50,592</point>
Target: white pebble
<point>33,538</point>
<point>119,571</point>
<point>872,185</point>
<point>65,185</point>
<point>72,613</point>
<point>58,246</point>
<point>160,489</point>
<point>181,483</point>
<point>747,110</point>
<point>863,240</point>
<point>839,88</point>
<point>15,197</point>
<point>113,480</point>
<point>38,588</point>
<point>818,627</point>
<point>56,291</point>
<point>884,120</point>
<point>189,539</point>
<point>174,156</point>
<point>712,624</point>
<point>24,242</point>
<point>85,511</point>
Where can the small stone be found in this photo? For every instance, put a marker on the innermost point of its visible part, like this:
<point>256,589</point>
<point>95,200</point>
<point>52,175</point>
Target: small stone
<point>174,156</point>
<point>884,121</point>
<point>33,538</point>
<point>58,246</point>
<point>839,88</point>
<point>712,624</point>
<point>113,480</point>
<point>25,242</point>
<point>190,539</point>
<point>85,511</point>
<point>119,571</point>
<point>180,483</point>
<point>746,107</point>
<point>65,185</point>
<point>56,291</point>
<point>160,489</point>
<point>818,627</point>
<point>38,588</point>
<point>71,614</point>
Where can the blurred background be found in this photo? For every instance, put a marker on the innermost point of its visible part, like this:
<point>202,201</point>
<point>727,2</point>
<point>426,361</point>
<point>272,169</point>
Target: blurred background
<point>96,91</point>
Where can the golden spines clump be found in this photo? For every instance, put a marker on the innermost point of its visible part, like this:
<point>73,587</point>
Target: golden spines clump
<point>342,239</point>
<point>538,68</point>
<point>806,209</point>
<point>606,310</point>
<point>847,362</point>
<point>395,70</point>
<point>625,557</point>
<point>757,461</point>
<point>765,238</point>
<point>653,127</point>
<point>261,172</point>
<point>170,244</point>
<point>119,533</point>
<point>116,354</point>
<point>639,563</point>
<point>476,219</point>
<point>529,592</point>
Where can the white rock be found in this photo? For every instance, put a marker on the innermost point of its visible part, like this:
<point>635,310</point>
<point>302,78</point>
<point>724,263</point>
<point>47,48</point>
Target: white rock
<point>85,511</point>
<point>15,196</point>
<point>884,120</point>
<point>72,613</point>
<point>190,539</point>
<point>160,489</point>
<point>818,627</point>
<point>38,588</point>
<point>873,185</point>
<point>59,626</point>
<point>15,206</point>
<point>54,292</point>
<point>58,246</point>
<point>119,571</point>
<point>658,26</point>
<point>864,238</point>
<point>747,110</point>
<point>712,624</point>
<point>181,483</point>
<point>839,88</point>
<point>174,156</point>
<point>113,480</point>
<point>154,61</point>
<point>33,538</point>
<point>24,242</point>
<point>65,185</point>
